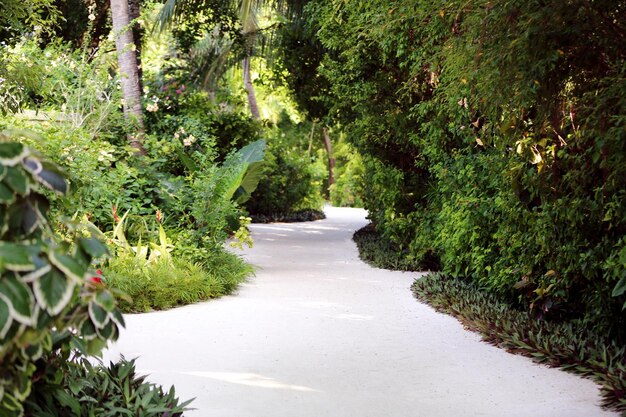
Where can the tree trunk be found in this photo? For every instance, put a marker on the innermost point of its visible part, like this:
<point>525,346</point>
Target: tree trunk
<point>129,75</point>
<point>134,10</point>
<point>311,137</point>
<point>247,84</point>
<point>331,160</point>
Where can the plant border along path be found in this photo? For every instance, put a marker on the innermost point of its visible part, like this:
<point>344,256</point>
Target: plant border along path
<point>319,333</point>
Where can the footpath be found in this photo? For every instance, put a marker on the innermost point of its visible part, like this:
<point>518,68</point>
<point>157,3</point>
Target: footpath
<point>318,333</point>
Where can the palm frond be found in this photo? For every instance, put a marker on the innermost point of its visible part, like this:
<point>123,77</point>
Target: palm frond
<point>211,57</point>
<point>169,13</point>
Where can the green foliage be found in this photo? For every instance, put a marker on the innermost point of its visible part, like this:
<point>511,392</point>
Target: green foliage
<point>164,284</point>
<point>158,271</point>
<point>85,389</point>
<point>291,181</point>
<point>292,217</point>
<point>381,253</point>
<point>573,346</point>
<point>492,137</point>
<point>48,298</point>
<point>214,192</point>
<point>18,17</point>
<point>349,173</point>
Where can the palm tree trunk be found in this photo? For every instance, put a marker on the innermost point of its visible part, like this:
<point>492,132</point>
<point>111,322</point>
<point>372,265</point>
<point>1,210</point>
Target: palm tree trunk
<point>247,84</point>
<point>134,12</point>
<point>127,61</point>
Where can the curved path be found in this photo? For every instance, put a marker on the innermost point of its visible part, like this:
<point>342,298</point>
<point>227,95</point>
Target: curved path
<point>317,333</point>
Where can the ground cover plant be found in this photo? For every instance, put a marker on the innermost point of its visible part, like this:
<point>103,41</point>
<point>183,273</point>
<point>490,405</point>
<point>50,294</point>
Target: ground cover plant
<point>573,346</point>
<point>381,253</point>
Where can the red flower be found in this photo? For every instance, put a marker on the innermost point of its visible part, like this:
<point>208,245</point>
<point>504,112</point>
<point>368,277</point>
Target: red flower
<point>114,212</point>
<point>96,279</point>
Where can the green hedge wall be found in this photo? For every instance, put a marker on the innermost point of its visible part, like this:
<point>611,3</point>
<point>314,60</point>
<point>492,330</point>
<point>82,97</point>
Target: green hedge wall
<point>493,135</point>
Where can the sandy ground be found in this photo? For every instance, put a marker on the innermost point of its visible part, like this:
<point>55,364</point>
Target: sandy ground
<point>318,333</point>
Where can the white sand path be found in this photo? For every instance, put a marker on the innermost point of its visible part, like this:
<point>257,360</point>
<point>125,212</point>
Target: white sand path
<point>317,333</point>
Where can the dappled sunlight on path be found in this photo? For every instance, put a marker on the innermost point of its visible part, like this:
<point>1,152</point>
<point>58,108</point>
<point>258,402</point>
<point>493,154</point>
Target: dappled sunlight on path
<point>318,333</point>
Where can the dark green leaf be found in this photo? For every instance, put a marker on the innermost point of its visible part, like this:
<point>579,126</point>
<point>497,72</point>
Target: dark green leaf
<point>53,179</point>
<point>98,315</point>
<point>106,300</point>
<point>17,180</point>
<point>6,194</point>
<point>620,287</point>
<point>94,247</point>
<point>108,331</point>
<point>53,291</point>
<point>19,299</point>
<point>5,318</point>
<point>88,330</point>
<point>11,153</point>
<point>15,257</point>
<point>68,265</point>
<point>3,171</point>
<point>118,318</point>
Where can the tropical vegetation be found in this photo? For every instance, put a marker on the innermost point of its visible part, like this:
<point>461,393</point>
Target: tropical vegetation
<point>485,139</point>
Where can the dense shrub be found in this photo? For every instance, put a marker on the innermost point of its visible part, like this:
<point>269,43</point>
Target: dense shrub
<point>492,136</point>
<point>348,186</point>
<point>51,300</point>
<point>291,181</point>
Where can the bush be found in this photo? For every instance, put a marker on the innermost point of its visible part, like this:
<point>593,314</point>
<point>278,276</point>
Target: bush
<point>349,171</point>
<point>163,284</point>
<point>291,181</point>
<point>50,298</point>
<point>379,252</point>
<point>492,138</point>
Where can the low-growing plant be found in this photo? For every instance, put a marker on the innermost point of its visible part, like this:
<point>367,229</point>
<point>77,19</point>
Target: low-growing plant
<point>378,251</point>
<point>164,284</point>
<point>573,345</point>
<point>85,389</point>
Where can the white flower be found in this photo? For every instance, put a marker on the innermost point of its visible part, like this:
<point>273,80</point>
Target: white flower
<point>189,140</point>
<point>92,17</point>
<point>152,107</point>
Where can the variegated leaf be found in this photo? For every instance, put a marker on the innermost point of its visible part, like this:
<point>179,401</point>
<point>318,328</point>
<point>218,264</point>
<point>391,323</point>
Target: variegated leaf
<point>19,299</point>
<point>68,265</point>
<point>98,315</point>
<point>15,257</point>
<point>53,291</point>
<point>11,153</point>
<point>5,318</point>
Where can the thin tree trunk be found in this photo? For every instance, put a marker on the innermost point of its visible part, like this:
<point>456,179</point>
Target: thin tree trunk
<point>311,137</point>
<point>129,76</point>
<point>247,84</point>
<point>331,160</point>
